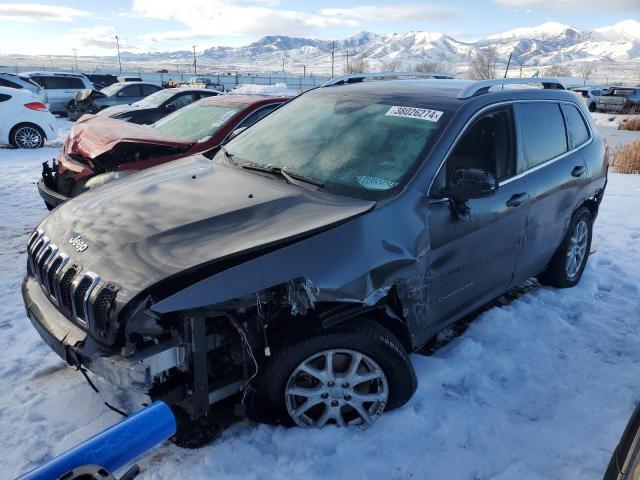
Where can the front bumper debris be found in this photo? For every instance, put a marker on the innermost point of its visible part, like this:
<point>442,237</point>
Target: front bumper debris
<point>73,344</point>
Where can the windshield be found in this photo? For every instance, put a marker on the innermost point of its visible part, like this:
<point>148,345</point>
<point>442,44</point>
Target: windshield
<point>155,99</point>
<point>111,89</point>
<point>198,121</point>
<point>357,145</point>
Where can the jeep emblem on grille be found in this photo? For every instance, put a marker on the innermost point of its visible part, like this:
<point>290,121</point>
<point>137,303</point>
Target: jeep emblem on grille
<point>80,244</point>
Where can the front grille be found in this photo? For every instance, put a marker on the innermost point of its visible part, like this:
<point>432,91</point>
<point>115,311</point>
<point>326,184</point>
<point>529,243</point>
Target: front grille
<point>68,286</point>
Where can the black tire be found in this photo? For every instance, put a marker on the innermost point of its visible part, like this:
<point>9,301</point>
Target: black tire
<point>592,107</point>
<point>27,136</point>
<point>362,336</point>
<point>556,274</point>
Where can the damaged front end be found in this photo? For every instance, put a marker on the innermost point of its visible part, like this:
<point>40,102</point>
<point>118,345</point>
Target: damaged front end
<point>83,102</point>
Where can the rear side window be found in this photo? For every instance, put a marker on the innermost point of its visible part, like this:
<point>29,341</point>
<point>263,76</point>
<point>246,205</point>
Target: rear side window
<point>257,115</point>
<point>4,98</point>
<point>149,89</point>
<point>60,83</point>
<point>7,83</point>
<point>542,131</point>
<point>577,131</point>
<point>130,91</point>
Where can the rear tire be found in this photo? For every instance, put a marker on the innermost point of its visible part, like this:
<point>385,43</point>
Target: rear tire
<point>27,136</point>
<point>569,262</point>
<point>374,351</point>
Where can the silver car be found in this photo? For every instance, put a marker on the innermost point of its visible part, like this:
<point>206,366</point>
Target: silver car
<point>60,87</point>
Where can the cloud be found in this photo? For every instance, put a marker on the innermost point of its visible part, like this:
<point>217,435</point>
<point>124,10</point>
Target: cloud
<point>576,5</point>
<point>210,18</point>
<point>101,37</point>
<point>35,12</point>
<point>393,13</point>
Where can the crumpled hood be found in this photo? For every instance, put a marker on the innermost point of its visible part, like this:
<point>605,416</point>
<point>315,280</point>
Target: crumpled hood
<point>186,213</point>
<point>94,135</point>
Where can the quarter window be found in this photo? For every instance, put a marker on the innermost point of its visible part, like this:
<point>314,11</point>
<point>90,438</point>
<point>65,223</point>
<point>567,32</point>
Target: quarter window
<point>8,83</point>
<point>543,132</point>
<point>577,130</point>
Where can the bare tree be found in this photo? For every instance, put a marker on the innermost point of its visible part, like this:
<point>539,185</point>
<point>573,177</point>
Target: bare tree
<point>586,70</point>
<point>392,66</point>
<point>428,66</point>
<point>558,71</point>
<point>357,65</point>
<point>482,64</point>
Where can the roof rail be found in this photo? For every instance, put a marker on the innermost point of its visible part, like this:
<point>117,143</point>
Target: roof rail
<point>483,86</point>
<point>360,77</point>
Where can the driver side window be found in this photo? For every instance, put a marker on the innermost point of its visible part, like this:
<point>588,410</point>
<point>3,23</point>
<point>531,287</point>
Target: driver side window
<point>487,145</point>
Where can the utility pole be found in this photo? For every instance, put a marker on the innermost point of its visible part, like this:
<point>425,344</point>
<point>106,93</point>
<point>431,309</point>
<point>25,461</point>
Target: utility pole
<point>195,65</point>
<point>333,56</point>
<point>347,72</point>
<point>119,61</point>
<point>283,65</point>
<point>75,54</point>
<point>304,70</point>
<point>521,64</point>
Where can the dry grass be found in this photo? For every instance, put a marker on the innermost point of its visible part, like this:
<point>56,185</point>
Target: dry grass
<point>625,159</point>
<point>632,124</point>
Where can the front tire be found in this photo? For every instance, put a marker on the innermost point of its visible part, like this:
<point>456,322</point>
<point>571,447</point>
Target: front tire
<point>346,376</point>
<point>27,136</point>
<point>569,262</point>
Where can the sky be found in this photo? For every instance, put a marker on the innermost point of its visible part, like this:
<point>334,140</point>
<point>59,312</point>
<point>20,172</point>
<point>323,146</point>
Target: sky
<point>57,27</point>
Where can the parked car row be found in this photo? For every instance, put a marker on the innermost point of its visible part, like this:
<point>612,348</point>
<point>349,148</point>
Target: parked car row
<point>286,270</point>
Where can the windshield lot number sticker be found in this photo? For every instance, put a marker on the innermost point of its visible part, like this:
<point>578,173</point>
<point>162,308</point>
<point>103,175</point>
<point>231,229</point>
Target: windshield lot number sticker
<point>413,112</point>
<point>223,119</point>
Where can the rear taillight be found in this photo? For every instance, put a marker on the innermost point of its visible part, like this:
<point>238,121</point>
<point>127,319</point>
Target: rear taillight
<point>38,106</point>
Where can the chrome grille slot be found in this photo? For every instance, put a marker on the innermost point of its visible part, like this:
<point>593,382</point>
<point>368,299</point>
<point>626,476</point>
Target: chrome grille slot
<point>65,287</point>
<point>53,272</point>
<point>43,255</point>
<point>80,292</point>
<point>46,264</point>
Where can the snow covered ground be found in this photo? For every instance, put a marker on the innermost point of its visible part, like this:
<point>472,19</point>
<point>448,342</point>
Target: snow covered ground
<point>539,388</point>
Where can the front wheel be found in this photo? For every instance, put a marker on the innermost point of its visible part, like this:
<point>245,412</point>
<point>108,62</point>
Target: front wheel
<point>346,376</point>
<point>569,262</point>
<point>27,136</point>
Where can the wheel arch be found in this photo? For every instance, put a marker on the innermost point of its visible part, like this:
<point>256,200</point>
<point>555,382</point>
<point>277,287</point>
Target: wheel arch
<point>29,124</point>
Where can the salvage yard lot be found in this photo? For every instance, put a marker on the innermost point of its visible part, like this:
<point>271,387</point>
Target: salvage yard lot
<point>541,387</point>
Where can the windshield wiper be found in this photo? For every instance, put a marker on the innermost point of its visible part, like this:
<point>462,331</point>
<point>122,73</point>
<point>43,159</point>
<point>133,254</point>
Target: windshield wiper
<point>228,156</point>
<point>291,177</point>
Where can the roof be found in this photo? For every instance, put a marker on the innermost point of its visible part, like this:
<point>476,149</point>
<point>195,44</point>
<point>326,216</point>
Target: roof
<point>19,91</point>
<point>45,73</point>
<point>242,100</point>
<point>445,93</point>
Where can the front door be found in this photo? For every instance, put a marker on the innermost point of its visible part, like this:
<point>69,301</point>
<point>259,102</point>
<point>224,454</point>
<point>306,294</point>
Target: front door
<point>474,246</point>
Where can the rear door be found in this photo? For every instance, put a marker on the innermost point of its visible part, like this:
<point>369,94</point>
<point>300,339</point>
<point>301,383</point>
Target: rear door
<point>474,246</point>
<point>551,137</point>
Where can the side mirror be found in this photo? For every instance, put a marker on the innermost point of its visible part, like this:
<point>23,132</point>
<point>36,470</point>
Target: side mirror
<point>170,107</point>
<point>236,132</point>
<point>468,183</point>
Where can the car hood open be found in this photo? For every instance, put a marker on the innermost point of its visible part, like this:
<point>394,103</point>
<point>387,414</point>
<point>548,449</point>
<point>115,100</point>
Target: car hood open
<point>187,214</point>
<point>94,135</point>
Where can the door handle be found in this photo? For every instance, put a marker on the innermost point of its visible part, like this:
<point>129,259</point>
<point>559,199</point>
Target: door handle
<point>578,171</point>
<point>517,199</point>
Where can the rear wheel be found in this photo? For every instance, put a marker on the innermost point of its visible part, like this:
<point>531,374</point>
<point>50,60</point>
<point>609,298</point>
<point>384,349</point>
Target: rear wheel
<point>27,135</point>
<point>347,376</point>
<point>592,107</point>
<point>569,262</point>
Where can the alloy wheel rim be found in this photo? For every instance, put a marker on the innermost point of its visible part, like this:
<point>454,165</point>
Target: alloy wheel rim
<point>577,250</point>
<point>338,386</point>
<point>28,137</point>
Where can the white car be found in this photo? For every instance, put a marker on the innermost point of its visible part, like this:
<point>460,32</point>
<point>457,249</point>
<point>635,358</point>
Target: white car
<point>25,121</point>
<point>16,81</point>
<point>590,96</point>
<point>60,87</point>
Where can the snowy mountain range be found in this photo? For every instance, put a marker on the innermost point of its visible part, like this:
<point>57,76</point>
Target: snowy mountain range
<point>547,44</point>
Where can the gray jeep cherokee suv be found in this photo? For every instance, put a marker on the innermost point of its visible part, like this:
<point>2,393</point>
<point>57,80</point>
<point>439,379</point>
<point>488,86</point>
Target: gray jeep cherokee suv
<point>293,272</point>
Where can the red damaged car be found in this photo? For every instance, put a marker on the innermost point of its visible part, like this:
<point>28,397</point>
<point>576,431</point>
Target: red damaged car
<point>101,149</point>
